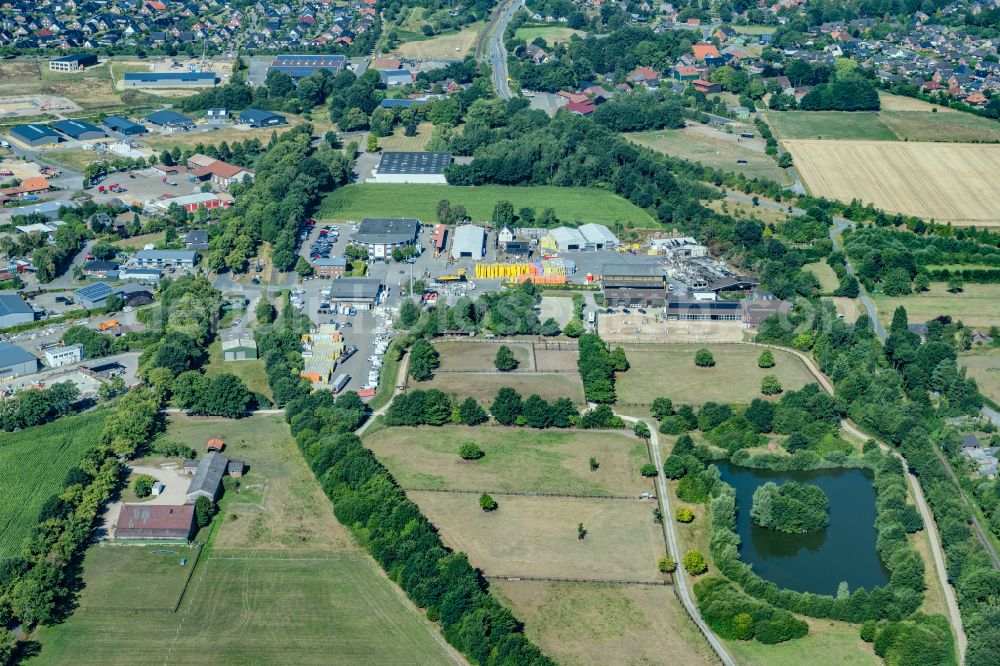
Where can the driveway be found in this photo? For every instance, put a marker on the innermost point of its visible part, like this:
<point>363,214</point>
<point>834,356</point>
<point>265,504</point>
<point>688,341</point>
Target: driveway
<point>174,492</point>
<point>559,308</point>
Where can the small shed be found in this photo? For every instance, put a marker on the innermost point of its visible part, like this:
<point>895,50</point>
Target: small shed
<point>236,468</point>
<point>215,444</point>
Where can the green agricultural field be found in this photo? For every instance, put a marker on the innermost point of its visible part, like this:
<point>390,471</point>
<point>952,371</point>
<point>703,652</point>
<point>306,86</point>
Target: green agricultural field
<point>984,366</point>
<point>280,581</point>
<point>571,204</point>
<point>828,280</point>
<point>669,371</point>
<point>137,578</point>
<point>976,305</point>
<point>516,460</point>
<point>33,464</point>
<point>722,154</point>
<point>251,372</point>
<point>951,127</point>
<point>858,125</point>
<point>551,34</point>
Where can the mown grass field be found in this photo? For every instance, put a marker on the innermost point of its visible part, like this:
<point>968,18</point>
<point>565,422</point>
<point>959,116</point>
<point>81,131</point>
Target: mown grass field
<point>669,371</point>
<point>690,145</point>
<point>593,625</point>
<point>828,281</point>
<point>455,45</point>
<point>516,460</point>
<point>483,387</point>
<point>857,125</point>
<point>251,372</point>
<point>393,200</point>
<point>398,141</point>
<point>829,643</point>
<point>936,126</point>
<point>470,356</point>
<point>984,366</point>
<point>136,578</point>
<point>976,305</point>
<point>281,581</point>
<point>75,160</point>
<point>33,464</point>
<point>550,33</point>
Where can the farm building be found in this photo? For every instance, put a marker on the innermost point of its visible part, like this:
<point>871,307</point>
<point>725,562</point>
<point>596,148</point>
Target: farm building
<point>330,267</point>
<point>14,310</point>
<point>412,167</point>
<point>215,444</point>
<point>399,103</point>
<point>155,523</point>
<point>165,258</point>
<point>15,362</point>
<point>360,293</point>
<point>124,126</point>
<point>259,118</point>
<point>301,66</point>
<point>170,80</point>
<point>238,346</point>
<point>167,118</point>
<point>73,63</point>
<point>192,202</point>
<point>598,237</point>
<point>207,481</point>
<point>760,305</point>
<point>79,130</point>
<point>632,285</point>
<point>380,235</point>
<point>35,135</point>
<point>470,241</point>
<point>63,355</point>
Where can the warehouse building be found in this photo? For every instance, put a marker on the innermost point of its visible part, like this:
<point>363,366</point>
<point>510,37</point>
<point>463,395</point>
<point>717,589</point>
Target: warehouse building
<point>79,130</point>
<point>381,235</point>
<point>598,237</point>
<point>63,355</point>
<point>47,209</point>
<point>93,295</point>
<point>155,523</point>
<point>260,118</point>
<point>238,345</point>
<point>35,135</point>
<point>360,293</point>
<point>170,80</point>
<point>396,77</point>
<point>167,118</point>
<point>73,63</point>
<point>564,238</point>
<point>301,66</point>
<point>691,310</point>
<point>124,126</point>
<point>14,311</point>
<point>15,362</point>
<point>628,285</point>
<point>412,167</point>
<point>470,241</point>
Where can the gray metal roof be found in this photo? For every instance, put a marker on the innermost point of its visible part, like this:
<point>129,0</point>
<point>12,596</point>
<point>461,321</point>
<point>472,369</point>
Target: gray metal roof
<point>413,163</point>
<point>13,355</point>
<point>469,239</point>
<point>598,233</point>
<point>165,255</point>
<point>259,115</point>
<point>345,288</point>
<point>639,270</point>
<point>11,304</point>
<point>387,230</point>
<point>33,131</point>
<point>567,236</point>
<point>76,128</point>
<point>94,292</point>
<point>167,117</point>
<point>209,474</point>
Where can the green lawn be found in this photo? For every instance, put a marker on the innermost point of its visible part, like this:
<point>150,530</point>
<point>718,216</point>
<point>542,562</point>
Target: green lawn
<point>828,643</point>
<point>955,127</point>
<point>976,305</point>
<point>859,125</point>
<point>136,578</point>
<point>251,372</point>
<point>719,154</point>
<point>550,33</point>
<point>571,204</point>
<point>516,460</point>
<point>33,464</point>
<point>669,371</point>
<point>484,387</point>
<point>828,281</point>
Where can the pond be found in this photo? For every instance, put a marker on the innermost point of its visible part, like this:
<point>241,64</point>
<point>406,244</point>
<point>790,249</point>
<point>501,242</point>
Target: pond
<point>817,563</point>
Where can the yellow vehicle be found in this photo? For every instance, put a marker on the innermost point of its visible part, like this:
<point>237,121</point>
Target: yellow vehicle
<point>459,276</point>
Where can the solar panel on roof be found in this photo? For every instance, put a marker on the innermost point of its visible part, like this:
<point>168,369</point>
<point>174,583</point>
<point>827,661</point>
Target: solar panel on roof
<point>95,291</point>
<point>413,163</point>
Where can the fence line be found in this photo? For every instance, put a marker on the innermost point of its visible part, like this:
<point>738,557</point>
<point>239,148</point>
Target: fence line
<point>599,581</point>
<point>652,496</point>
<point>486,371</point>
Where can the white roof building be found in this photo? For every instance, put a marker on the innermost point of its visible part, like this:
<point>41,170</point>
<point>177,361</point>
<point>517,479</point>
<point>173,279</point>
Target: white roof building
<point>567,238</point>
<point>470,241</point>
<point>598,236</point>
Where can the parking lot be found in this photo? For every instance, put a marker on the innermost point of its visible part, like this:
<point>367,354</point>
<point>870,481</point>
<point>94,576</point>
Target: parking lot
<point>142,187</point>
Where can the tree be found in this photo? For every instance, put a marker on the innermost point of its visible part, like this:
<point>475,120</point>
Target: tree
<point>409,313</point>
<point>506,406</point>
<point>704,359</point>
<point>505,361</point>
<point>770,385</point>
<point>204,510</point>
<point>503,214</point>
<point>593,464</point>
<point>471,413</point>
<point>661,408</point>
<point>641,431</point>
<point>372,146</point>
<point>618,360</point>
<point>694,563</point>
<point>265,312</point>
<point>766,359</point>
<point>581,531</point>
<point>573,328</point>
<point>536,412</point>
<point>143,485</point>
<point>470,451</point>
<point>487,503</point>
<point>684,515</point>
<point>649,469</point>
<point>785,160</point>
<point>424,359</point>
<point>303,267</point>
<point>666,565</point>
<point>675,466</point>
<point>955,283</point>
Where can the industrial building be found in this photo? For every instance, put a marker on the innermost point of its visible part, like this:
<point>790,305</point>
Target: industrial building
<point>170,80</point>
<point>396,77</point>
<point>192,202</point>
<point>167,118</point>
<point>470,241</point>
<point>633,285</point>
<point>322,348</point>
<point>96,295</point>
<point>63,355</point>
<point>260,118</point>
<point>155,523</point>
<point>360,293</point>
<point>15,362</point>
<point>124,126</point>
<point>34,134</point>
<point>79,130</point>
<point>381,235</point>
<point>73,63</point>
<point>238,345</point>
<point>47,209</point>
<point>598,237</point>
<point>14,311</point>
<point>412,167</point>
<point>165,258</point>
<point>564,238</point>
<point>301,66</point>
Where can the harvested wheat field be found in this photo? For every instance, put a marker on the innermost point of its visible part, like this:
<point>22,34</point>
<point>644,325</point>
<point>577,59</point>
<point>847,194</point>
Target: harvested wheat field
<point>958,182</point>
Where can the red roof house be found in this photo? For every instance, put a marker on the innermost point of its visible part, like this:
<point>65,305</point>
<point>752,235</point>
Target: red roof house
<point>704,50</point>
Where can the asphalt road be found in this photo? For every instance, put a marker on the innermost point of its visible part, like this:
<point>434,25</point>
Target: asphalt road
<point>491,49</point>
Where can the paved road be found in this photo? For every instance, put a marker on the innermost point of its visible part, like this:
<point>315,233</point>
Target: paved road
<point>491,49</point>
